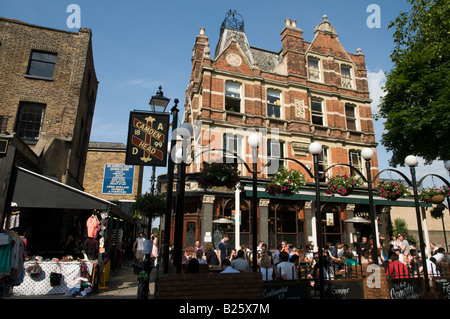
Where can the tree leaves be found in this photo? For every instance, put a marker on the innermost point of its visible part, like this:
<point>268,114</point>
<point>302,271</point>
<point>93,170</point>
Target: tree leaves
<point>416,106</point>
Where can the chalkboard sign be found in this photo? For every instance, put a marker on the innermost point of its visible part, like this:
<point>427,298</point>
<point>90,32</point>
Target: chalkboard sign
<point>442,285</point>
<point>286,290</point>
<point>344,289</point>
<point>411,288</point>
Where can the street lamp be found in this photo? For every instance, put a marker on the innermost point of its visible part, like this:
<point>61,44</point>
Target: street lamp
<point>157,101</point>
<point>254,141</point>
<point>315,149</point>
<point>170,168</point>
<point>185,132</point>
<point>412,161</point>
<point>367,154</point>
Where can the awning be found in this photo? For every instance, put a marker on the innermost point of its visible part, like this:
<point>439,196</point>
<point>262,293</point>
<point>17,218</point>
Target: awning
<point>32,190</point>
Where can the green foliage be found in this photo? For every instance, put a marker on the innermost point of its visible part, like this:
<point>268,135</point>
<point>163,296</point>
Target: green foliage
<point>437,211</point>
<point>342,184</point>
<point>218,174</point>
<point>415,107</point>
<point>427,193</point>
<point>149,205</point>
<point>286,182</point>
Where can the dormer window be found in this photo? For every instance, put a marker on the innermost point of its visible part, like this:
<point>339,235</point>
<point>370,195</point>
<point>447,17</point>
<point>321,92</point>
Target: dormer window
<point>313,69</point>
<point>346,77</point>
<point>232,97</point>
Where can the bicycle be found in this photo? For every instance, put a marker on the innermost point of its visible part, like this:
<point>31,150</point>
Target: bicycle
<point>144,278</point>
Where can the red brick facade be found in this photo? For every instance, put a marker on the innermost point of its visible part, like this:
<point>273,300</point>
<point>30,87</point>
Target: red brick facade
<point>239,63</point>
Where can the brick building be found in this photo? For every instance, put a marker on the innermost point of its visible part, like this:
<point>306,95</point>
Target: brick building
<point>308,91</point>
<point>48,88</point>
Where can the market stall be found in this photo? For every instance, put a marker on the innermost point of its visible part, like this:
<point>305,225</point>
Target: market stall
<point>39,284</point>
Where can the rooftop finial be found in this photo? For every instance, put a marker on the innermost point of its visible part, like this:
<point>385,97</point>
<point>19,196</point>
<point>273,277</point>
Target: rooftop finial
<point>233,20</point>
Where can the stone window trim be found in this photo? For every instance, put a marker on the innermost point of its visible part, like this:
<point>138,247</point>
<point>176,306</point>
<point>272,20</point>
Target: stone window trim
<point>314,70</point>
<point>346,76</point>
<point>274,103</point>
<point>351,118</point>
<point>317,115</point>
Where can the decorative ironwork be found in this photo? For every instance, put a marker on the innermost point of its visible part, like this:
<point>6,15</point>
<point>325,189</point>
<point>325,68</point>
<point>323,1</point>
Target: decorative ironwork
<point>233,21</point>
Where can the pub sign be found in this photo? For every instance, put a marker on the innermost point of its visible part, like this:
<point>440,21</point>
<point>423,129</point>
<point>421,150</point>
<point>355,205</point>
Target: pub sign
<point>147,139</point>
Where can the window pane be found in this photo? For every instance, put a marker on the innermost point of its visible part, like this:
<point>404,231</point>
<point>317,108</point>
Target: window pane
<point>30,120</point>
<point>350,117</point>
<point>42,64</point>
<point>313,69</point>
<point>233,90</point>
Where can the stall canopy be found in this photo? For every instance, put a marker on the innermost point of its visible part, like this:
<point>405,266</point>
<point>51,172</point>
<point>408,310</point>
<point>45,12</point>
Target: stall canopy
<point>33,190</point>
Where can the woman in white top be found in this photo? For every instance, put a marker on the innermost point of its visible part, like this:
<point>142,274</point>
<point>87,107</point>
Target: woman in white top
<point>266,269</point>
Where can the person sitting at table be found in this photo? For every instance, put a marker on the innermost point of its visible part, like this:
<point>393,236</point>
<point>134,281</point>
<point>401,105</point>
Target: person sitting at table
<point>211,255</point>
<point>240,263</point>
<point>266,269</point>
<point>199,256</point>
<point>192,266</point>
<point>227,269</point>
<point>286,269</point>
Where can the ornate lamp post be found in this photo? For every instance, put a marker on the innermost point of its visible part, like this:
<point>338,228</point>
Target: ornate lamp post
<point>315,149</point>
<point>170,168</point>
<point>367,154</point>
<point>254,142</point>
<point>161,102</point>
<point>411,161</point>
<point>185,131</point>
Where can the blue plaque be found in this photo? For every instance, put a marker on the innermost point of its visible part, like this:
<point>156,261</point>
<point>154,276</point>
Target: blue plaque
<point>118,179</point>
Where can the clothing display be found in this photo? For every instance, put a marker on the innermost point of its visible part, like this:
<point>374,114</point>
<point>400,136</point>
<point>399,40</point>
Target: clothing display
<point>12,256</point>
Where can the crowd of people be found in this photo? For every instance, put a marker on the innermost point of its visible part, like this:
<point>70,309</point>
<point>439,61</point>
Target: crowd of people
<point>399,258</point>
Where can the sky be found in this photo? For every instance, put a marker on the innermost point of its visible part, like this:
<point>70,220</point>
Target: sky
<point>141,45</point>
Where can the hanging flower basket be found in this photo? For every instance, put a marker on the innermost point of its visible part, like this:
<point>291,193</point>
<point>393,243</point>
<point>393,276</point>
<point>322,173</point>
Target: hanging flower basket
<point>342,185</point>
<point>286,182</point>
<point>149,205</point>
<point>392,190</point>
<point>218,174</point>
<point>434,195</point>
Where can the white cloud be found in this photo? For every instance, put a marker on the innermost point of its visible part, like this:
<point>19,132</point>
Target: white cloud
<point>376,81</point>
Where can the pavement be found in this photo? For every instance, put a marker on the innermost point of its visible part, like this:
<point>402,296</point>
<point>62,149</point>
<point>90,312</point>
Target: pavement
<point>123,284</point>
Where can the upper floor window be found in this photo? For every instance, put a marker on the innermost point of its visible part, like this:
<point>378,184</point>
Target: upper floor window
<point>346,77</point>
<point>275,151</point>
<point>232,97</point>
<point>316,112</point>
<point>29,120</point>
<point>323,164</point>
<point>313,69</point>
<point>354,159</point>
<point>350,117</point>
<point>273,103</point>
<point>232,144</point>
<point>42,64</point>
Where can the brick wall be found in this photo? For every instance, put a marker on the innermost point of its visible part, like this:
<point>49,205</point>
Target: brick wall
<point>69,97</point>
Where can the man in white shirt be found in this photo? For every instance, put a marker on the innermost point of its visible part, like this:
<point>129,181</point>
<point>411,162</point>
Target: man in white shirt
<point>286,270</point>
<point>138,247</point>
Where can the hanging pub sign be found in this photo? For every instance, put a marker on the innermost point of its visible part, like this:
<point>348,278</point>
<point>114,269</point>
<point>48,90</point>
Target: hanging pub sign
<point>147,139</point>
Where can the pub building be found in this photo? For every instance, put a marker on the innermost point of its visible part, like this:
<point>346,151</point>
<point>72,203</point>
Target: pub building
<point>308,91</point>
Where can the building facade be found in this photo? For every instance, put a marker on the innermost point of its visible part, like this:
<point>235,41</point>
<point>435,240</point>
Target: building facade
<point>48,89</point>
